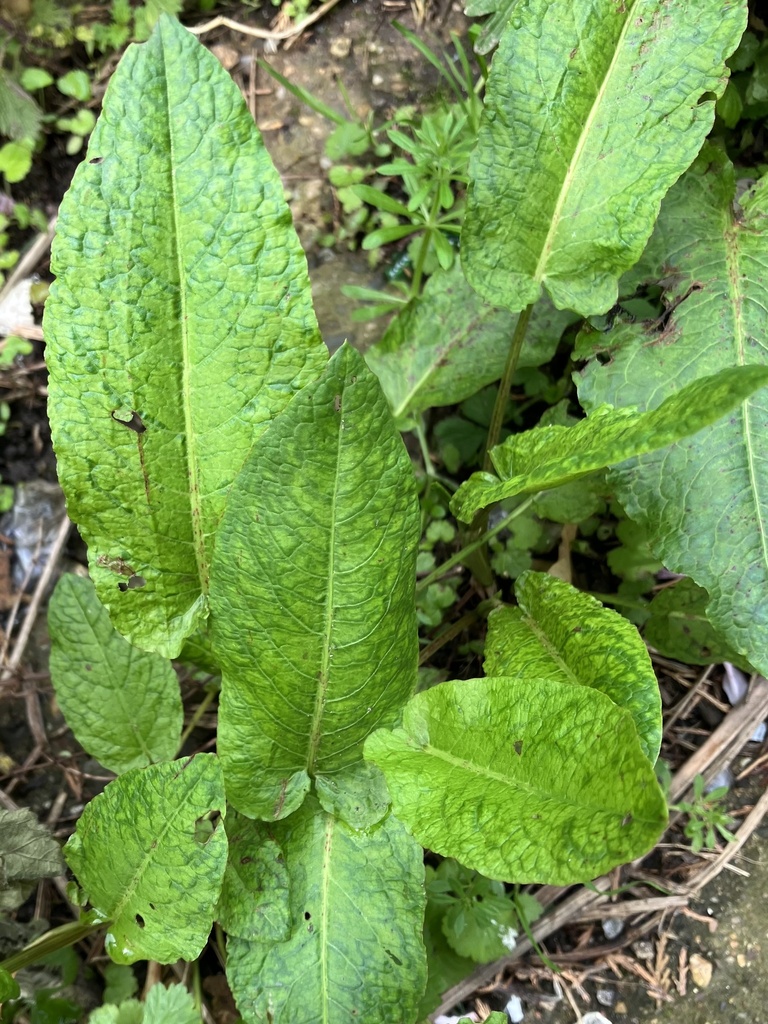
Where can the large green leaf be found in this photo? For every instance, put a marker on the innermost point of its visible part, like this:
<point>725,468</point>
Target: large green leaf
<point>312,592</point>
<point>122,704</point>
<point>179,325</point>
<point>679,628</point>
<point>558,632</point>
<point>704,501</point>
<point>449,343</point>
<point>146,864</point>
<point>593,110</point>
<point>348,958</point>
<point>524,780</point>
<point>550,456</point>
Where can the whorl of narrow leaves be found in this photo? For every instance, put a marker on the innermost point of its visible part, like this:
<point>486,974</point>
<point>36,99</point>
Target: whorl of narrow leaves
<point>593,110</point>
<point>179,325</point>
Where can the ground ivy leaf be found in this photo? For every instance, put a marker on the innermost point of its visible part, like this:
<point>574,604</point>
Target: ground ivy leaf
<point>559,632</point>
<point>254,897</point>
<point>703,502</point>
<point>523,780</point>
<point>593,110</point>
<point>347,959</point>
<point>678,627</point>
<point>312,593</point>
<point>93,668</point>
<point>549,456</point>
<point>137,856</point>
<point>449,343</point>
<point>179,325</point>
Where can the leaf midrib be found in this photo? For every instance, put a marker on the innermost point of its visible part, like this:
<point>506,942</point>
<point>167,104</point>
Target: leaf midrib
<point>190,437</point>
<point>325,658</point>
<point>546,249</point>
<point>325,900</point>
<point>515,784</point>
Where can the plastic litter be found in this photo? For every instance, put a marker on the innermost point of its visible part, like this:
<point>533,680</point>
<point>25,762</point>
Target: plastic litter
<point>514,1010</point>
<point>32,524</point>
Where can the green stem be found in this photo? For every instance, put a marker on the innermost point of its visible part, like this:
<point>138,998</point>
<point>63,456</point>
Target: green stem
<point>203,706</point>
<point>500,405</point>
<point>459,557</point>
<point>418,269</point>
<point>57,938</point>
<point>453,631</point>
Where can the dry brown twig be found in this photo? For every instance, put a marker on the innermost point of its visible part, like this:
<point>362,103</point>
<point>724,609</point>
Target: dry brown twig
<point>263,33</point>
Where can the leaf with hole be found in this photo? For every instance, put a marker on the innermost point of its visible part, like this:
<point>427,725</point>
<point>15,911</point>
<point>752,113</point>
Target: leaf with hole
<point>167,364</point>
<point>137,854</point>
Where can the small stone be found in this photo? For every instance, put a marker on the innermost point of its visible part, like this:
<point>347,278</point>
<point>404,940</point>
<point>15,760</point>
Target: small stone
<point>701,970</point>
<point>377,80</point>
<point>341,47</point>
<point>606,996</point>
<point>226,55</point>
<point>612,927</point>
<point>621,1008</point>
<point>643,950</point>
<point>741,960</point>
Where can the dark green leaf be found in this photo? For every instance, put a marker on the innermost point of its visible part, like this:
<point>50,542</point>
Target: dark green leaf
<point>347,958</point>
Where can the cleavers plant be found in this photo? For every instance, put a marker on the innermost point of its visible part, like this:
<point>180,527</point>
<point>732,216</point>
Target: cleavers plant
<point>239,490</point>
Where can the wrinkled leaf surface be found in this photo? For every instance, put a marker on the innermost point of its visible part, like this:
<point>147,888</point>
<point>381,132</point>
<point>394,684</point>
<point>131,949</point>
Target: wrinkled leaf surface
<point>145,866</point>
<point>525,781</point>
<point>559,632</point>
<point>314,619</point>
<point>704,501</point>
<point>347,958</point>
<point>593,110</point>
<point>180,323</point>
<point>449,343</point>
<point>122,704</point>
<point>549,456</point>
